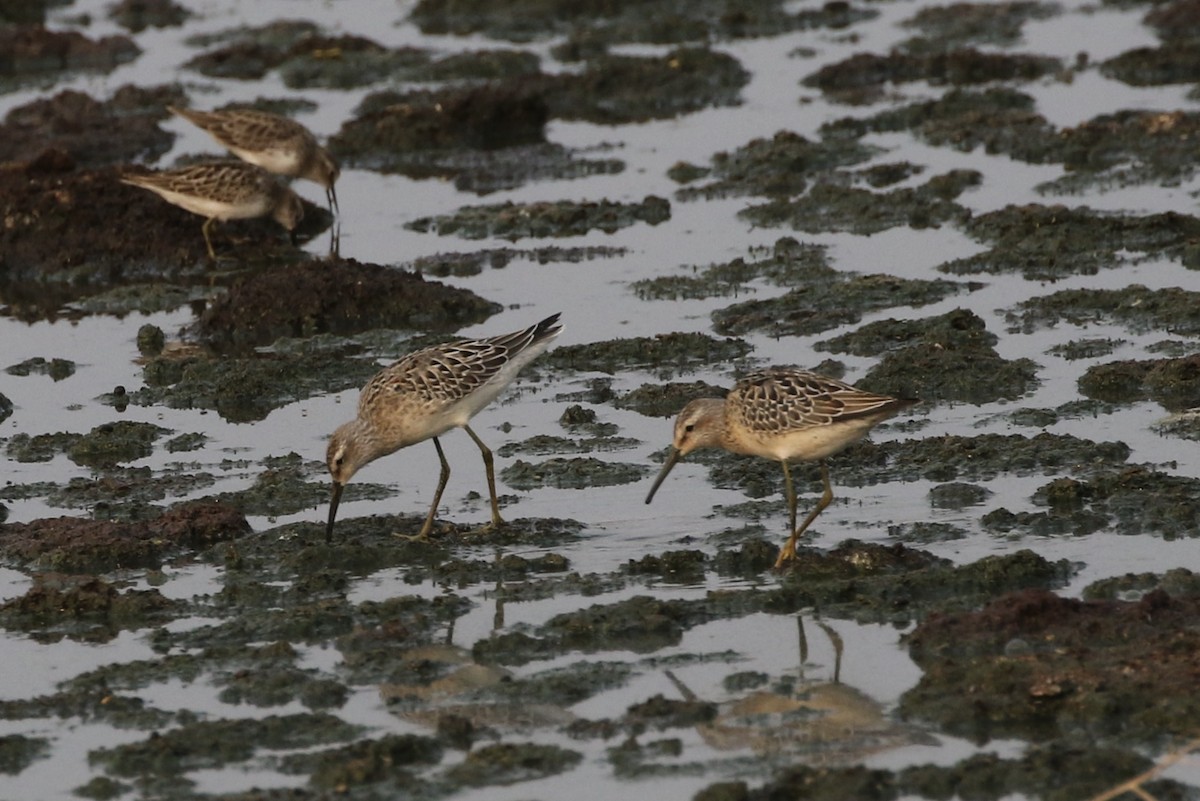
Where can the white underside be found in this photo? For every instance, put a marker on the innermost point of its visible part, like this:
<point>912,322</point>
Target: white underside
<point>214,208</point>
<point>811,444</point>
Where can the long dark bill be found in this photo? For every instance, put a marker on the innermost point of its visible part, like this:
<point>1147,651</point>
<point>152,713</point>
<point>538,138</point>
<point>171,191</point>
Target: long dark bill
<point>672,458</point>
<point>333,505</point>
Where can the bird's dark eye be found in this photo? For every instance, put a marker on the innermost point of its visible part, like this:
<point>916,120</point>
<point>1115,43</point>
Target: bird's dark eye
<point>689,427</point>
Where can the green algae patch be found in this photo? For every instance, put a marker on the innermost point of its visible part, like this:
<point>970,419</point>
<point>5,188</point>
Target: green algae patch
<point>73,545</point>
<point>830,207</point>
<point>1086,348</point>
<point>510,763</point>
<point>787,263</point>
<point>1135,307</point>
<point>571,473</point>
<point>112,443</point>
<point>1050,772</point>
<point>515,221</point>
<point>1036,666</point>
<point>817,307</point>
<point>667,399</point>
<point>862,77</point>
<point>84,608</point>
<point>1185,425</point>
<point>463,264</point>
<point>1130,502</point>
<point>39,447</point>
<point>996,119</point>
<point>545,445</point>
<point>659,22</point>
<point>779,166</point>
<point>1134,586</point>
<point>57,369</point>
<point>962,24</point>
<point>389,758</point>
<point>675,352</point>
<point>859,581</point>
<point>282,488</point>
<point>1173,383</point>
<point>18,752</point>
<point>1045,243</point>
<point>214,744</point>
<point>951,357</point>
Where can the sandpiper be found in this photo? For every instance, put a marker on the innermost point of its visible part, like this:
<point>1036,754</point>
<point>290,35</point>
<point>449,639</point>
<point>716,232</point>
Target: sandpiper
<point>426,394</point>
<point>277,144</point>
<point>223,190</point>
<point>783,414</point>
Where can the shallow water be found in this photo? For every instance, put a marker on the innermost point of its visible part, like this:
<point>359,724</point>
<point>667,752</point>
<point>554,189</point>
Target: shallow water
<point>598,304</point>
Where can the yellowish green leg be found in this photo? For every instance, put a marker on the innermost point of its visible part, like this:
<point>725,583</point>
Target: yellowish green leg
<point>490,467</point>
<point>789,550</point>
<point>212,254</point>
<point>423,534</point>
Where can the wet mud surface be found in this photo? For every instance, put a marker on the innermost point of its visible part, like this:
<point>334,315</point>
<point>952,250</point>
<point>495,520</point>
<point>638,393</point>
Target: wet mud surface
<point>567,638</point>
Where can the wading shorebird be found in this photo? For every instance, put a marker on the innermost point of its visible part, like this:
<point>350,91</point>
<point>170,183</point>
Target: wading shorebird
<point>223,190</point>
<point>786,415</point>
<point>426,394</point>
<point>277,144</point>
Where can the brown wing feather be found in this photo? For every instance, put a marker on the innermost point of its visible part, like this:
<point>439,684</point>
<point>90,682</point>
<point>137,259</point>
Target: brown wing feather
<point>772,401</point>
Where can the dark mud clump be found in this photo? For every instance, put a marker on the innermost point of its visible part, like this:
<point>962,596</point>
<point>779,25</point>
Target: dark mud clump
<point>34,53</point>
<point>71,545</point>
<point>830,207</point>
<point>1036,666</point>
<point>660,22</point>
<point>335,297</point>
<point>483,138</point>
<point>1173,383</point>
<point>515,221</point>
<point>73,233</point>
<point>951,357</point>
<point>392,130</point>
<point>137,15</point>
<point>92,133</point>
<point>84,608</point>
<point>1135,307</point>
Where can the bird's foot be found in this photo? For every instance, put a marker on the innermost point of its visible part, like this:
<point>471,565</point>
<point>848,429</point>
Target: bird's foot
<point>786,554</point>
